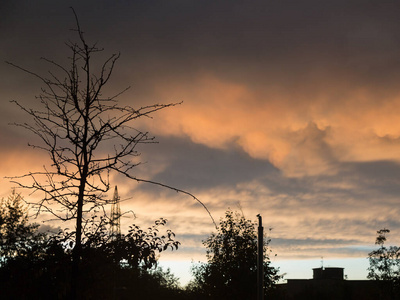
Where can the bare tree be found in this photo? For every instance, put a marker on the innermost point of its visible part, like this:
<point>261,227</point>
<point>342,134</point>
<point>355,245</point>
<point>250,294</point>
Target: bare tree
<point>86,135</point>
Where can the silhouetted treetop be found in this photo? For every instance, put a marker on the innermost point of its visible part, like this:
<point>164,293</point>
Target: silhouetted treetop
<point>231,268</point>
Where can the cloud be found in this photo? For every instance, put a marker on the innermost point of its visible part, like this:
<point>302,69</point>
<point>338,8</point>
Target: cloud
<point>299,137</point>
<point>335,213</point>
<point>246,77</point>
<point>192,166</point>
<point>289,110</point>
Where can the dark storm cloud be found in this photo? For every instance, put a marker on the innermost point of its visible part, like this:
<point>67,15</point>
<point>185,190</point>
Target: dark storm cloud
<point>263,36</point>
<point>192,166</point>
<point>375,176</point>
<point>370,178</point>
<point>274,38</point>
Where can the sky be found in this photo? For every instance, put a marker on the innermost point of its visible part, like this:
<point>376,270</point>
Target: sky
<point>289,110</point>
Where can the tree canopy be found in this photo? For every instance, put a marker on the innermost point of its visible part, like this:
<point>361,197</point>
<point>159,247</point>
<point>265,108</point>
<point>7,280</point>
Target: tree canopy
<point>231,268</point>
<point>384,264</point>
<point>18,237</point>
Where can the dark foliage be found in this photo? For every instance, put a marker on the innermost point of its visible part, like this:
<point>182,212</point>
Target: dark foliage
<point>231,270</point>
<point>385,261</point>
<point>384,265</point>
<point>38,266</point>
<point>18,238</point>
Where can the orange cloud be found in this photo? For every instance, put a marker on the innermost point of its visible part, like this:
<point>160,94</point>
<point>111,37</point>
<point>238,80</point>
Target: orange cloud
<point>275,125</point>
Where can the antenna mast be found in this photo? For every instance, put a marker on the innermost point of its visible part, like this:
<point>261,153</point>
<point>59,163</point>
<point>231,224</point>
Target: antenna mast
<point>115,225</point>
<point>322,262</point>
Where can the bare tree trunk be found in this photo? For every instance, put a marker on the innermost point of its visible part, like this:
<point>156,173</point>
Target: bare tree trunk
<point>77,252</point>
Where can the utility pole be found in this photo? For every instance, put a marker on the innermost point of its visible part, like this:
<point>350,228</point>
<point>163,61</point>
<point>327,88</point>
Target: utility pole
<point>260,260</point>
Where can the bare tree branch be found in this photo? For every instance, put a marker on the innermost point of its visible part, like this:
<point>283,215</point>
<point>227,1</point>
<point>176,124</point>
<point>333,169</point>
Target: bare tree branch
<point>86,136</point>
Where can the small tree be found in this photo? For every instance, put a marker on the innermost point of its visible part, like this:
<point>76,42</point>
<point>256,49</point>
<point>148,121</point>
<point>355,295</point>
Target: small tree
<point>17,236</point>
<point>22,250</point>
<point>86,135</point>
<point>384,263</point>
<point>231,270</point>
<point>384,266</point>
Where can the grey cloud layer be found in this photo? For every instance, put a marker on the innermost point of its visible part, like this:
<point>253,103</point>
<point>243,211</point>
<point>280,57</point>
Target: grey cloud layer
<point>194,166</point>
<point>279,41</point>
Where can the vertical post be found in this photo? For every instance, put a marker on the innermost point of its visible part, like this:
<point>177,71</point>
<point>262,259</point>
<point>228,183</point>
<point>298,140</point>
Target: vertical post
<point>260,260</point>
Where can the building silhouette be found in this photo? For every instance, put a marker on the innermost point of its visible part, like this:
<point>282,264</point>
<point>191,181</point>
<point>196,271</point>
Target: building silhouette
<point>329,284</point>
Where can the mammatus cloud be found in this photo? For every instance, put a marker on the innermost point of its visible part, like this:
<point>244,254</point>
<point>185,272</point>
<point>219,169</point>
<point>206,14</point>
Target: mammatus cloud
<point>306,140</point>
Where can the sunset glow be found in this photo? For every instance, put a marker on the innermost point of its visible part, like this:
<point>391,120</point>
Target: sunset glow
<point>289,110</point>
